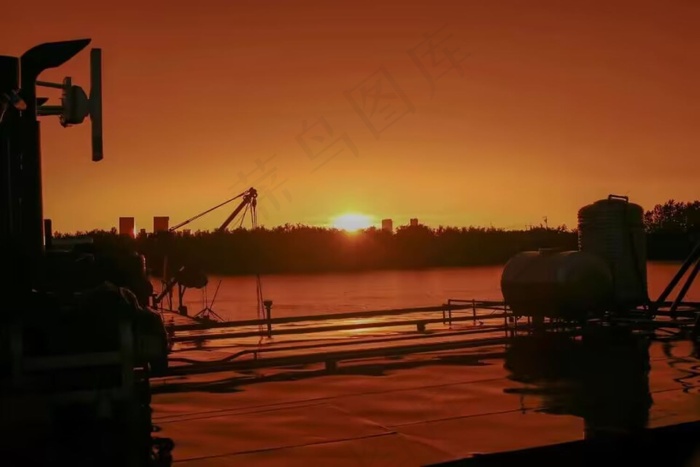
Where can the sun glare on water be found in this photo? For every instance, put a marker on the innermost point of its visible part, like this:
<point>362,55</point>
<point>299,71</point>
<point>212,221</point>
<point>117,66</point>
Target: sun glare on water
<point>352,222</point>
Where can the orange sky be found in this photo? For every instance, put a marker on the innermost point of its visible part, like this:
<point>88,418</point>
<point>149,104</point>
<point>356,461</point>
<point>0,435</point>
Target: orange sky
<point>557,104</point>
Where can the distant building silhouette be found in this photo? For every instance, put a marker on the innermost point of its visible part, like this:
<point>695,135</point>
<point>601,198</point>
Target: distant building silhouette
<point>127,226</point>
<point>142,232</point>
<point>161,223</point>
<point>387,225</point>
<point>186,232</point>
<point>413,222</point>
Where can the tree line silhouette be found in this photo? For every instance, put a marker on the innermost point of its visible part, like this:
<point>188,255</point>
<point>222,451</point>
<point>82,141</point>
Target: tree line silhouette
<point>670,228</point>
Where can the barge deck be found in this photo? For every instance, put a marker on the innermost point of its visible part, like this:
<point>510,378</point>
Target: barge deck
<point>392,395</point>
<point>417,410</point>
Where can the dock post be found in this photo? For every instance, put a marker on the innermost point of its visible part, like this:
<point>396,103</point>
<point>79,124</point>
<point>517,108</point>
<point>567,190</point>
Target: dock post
<point>268,316</point>
<point>48,234</point>
<point>447,313</point>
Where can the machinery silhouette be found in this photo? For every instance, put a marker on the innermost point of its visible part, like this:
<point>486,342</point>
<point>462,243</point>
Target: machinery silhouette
<point>79,342</point>
<point>186,274</point>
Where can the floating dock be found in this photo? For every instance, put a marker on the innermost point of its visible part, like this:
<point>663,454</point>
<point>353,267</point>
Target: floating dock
<point>417,409</point>
<point>390,392</point>
<point>202,347</point>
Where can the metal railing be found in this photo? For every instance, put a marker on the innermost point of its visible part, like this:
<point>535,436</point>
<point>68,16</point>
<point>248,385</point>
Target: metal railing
<point>309,323</point>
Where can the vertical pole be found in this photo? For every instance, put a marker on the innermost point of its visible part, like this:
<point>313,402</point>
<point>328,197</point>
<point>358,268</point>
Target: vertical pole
<point>32,208</point>
<point>9,128</point>
<point>10,184</point>
<point>268,311</point>
<point>269,323</point>
<point>48,233</point>
<point>268,316</point>
<point>180,298</point>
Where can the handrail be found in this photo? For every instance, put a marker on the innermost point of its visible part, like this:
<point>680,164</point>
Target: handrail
<point>333,316</point>
<point>420,323</point>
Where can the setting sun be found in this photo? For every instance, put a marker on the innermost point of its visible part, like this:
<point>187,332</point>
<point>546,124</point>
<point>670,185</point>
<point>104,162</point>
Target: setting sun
<point>352,222</point>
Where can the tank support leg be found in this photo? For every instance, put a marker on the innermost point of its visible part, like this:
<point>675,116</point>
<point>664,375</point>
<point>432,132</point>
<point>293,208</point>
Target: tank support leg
<point>693,257</point>
<point>684,289</point>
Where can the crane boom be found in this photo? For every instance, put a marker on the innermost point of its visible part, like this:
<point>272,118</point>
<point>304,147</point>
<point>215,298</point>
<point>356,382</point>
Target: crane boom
<point>249,197</point>
<point>179,278</point>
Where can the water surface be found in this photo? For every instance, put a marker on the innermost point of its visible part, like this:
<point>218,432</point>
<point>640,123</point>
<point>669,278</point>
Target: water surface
<point>336,293</point>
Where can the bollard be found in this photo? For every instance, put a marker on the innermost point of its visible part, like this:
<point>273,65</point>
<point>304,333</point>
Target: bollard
<point>268,316</point>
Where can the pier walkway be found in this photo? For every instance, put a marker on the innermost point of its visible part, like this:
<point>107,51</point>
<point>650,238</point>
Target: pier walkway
<point>411,411</point>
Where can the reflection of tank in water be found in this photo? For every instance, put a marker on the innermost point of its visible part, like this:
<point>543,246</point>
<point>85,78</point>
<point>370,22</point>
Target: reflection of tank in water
<point>602,378</point>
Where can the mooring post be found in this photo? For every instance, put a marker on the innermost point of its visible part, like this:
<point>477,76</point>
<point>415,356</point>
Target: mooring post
<point>268,316</point>
<point>447,313</point>
<point>48,234</point>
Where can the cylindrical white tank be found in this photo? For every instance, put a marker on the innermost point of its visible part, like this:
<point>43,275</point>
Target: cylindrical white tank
<point>613,229</point>
<point>550,283</point>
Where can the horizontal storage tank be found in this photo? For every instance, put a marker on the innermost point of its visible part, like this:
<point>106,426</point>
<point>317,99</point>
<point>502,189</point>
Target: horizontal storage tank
<point>613,229</point>
<point>557,284</point>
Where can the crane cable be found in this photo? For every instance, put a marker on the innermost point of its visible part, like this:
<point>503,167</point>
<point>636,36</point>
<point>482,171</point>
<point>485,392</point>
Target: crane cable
<point>251,208</point>
<point>258,282</point>
<point>201,214</point>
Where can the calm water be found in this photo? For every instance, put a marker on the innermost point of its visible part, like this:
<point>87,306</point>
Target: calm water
<point>328,293</point>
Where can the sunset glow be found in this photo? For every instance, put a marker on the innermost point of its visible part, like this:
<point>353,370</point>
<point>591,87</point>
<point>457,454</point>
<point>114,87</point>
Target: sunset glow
<point>296,111</point>
<point>352,222</point>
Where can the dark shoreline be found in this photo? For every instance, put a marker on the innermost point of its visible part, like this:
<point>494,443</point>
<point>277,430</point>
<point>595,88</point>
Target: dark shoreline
<point>313,251</point>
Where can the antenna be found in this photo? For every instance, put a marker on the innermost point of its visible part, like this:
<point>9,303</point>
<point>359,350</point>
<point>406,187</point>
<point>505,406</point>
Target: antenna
<point>96,103</point>
<point>76,105</point>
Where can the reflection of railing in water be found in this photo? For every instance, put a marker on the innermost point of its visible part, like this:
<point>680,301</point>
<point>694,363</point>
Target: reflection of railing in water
<point>692,373</point>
